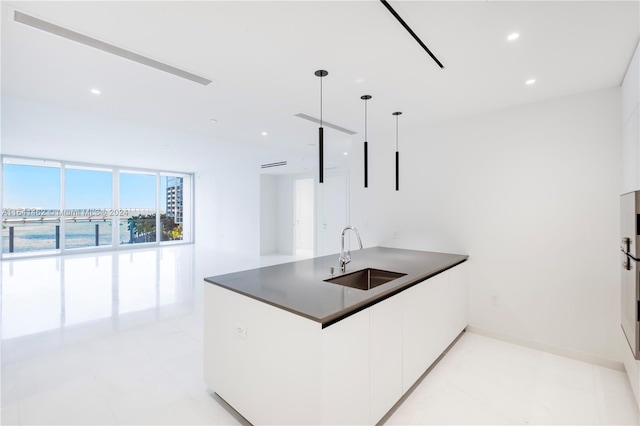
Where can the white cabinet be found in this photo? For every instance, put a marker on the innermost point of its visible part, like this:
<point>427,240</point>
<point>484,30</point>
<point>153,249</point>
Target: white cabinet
<point>345,371</point>
<point>275,367</point>
<point>385,356</point>
<point>434,312</point>
<point>415,345</point>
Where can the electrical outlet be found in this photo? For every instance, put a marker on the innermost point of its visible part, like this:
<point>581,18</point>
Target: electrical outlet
<point>396,234</point>
<point>241,331</point>
<point>495,300</point>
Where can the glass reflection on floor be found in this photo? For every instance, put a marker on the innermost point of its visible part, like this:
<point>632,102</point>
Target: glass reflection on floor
<point>66,292</point>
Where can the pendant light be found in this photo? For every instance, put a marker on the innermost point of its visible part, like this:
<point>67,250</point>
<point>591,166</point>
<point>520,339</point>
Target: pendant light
<point>366,152</point>
<point>397,113</point>
<point>321,73</point>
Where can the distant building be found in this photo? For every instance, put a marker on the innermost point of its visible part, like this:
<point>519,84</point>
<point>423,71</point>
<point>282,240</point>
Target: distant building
<point>174,198</point>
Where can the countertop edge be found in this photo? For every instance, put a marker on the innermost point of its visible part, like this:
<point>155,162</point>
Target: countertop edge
<point>338,316</point>
<point>332,319</point>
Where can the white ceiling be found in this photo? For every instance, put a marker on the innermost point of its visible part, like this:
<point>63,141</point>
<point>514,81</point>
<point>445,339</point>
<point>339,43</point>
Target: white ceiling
<point>262,56</point>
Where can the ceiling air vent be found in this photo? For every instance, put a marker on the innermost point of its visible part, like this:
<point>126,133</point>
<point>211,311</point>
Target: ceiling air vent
<point>325,123</point>
<point>106,47</point>
<point>278,164</point>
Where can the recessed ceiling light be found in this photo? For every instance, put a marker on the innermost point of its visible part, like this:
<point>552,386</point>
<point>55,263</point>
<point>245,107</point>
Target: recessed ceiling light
<point>359,80</point>
<point>513,36</point>
<point>95,91</point>
<point>530,81</point>
<point>346,153</point>
<point>264,133</point>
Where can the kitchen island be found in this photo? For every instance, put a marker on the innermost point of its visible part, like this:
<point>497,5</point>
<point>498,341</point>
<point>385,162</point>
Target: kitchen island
<point>283,346</point>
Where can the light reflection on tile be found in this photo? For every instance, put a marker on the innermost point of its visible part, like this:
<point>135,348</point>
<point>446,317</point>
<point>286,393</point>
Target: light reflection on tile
<point>87,288</point>
<point>41,278</point>
<point>111,338</point>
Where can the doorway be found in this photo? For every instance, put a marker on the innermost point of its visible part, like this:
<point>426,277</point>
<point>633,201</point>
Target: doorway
<point>304,212</point>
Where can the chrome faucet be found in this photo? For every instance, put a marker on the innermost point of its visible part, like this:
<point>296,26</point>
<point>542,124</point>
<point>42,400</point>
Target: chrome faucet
<point>346,258</point>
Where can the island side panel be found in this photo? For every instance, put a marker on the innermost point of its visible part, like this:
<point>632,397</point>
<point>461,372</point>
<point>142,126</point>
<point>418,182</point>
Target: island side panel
<point>271,375</point>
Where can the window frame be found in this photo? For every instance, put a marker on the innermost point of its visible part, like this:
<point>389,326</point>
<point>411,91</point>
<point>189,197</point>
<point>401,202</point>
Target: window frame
<point>188,209</point>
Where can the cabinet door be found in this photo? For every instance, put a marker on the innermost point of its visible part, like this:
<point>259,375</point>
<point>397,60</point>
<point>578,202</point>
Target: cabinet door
<point>434,312</point>
<point>447,312</point>
<point>414,339</point>
<point>345,372</point>
<point>385,357</point>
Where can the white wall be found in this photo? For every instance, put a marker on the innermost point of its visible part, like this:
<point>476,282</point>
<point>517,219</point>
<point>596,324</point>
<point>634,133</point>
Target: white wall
<point>631,125</point>
<point>285,214</point>
<point>268,214</point>
<point>531,194</point>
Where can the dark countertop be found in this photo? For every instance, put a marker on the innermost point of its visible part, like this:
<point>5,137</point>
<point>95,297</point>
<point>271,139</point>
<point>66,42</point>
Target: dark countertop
<point>298,287</point>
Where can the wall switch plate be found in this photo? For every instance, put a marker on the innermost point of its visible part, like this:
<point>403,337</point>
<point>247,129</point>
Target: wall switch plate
<point>241,331</point>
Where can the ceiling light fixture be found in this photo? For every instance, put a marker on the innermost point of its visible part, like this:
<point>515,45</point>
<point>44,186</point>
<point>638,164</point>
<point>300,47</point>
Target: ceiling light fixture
<point>321,74</point>
<point>414,35</point>
<point>366,150</point>
<point>95,91</point>
<point>513,36</point>
<point>346,153</point>
<point>397,114</point>
<point>530,81</point>
<point>264,133</point>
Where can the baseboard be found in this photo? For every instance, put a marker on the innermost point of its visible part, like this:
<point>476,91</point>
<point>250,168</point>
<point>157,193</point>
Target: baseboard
<point>556,350</point>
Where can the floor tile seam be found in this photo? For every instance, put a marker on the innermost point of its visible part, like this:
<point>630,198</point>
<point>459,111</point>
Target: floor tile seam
<point>490,402</point>
<point>494,410</point>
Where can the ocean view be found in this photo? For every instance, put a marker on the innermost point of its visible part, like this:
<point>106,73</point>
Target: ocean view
<point>47,206</point>
<point>35,229</point>
<point>32,236</point>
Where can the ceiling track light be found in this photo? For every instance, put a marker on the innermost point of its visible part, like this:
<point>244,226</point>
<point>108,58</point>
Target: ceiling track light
<point>365,98</point>
<point>397,114</point>
<point>410,31</point>
<point>321,74</point>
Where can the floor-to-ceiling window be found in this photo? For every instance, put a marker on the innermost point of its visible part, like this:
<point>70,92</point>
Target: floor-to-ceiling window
<point>138,198</point>
<point>57,206</point>
<point>88,200</point>
<point>172,201</point>
<point>31,205</point>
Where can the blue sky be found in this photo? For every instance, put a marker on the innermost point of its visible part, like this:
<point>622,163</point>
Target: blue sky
<point>33,186</point>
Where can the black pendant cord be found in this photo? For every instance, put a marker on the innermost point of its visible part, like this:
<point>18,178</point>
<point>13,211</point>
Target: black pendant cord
<point>321,99</point>
<point>397,154</point>
<point>408,28</point>
<point>321,139</point>
<point>321,73</point>
<point>366,150</point>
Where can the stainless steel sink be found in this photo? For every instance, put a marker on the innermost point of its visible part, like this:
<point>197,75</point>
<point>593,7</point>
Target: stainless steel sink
<point>365,279</point>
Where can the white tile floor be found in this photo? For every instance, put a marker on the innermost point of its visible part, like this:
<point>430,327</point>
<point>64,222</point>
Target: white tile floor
<point>117,339</point>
